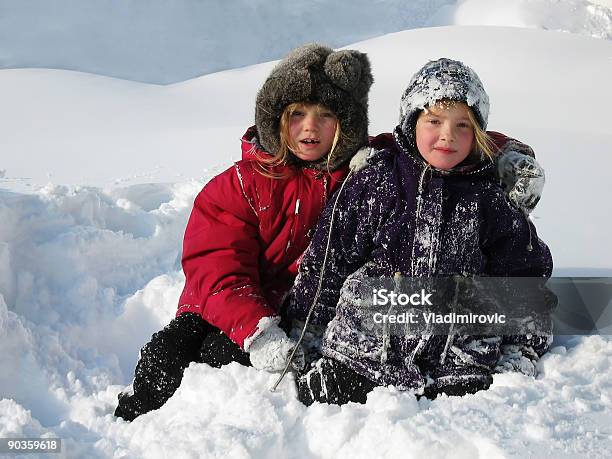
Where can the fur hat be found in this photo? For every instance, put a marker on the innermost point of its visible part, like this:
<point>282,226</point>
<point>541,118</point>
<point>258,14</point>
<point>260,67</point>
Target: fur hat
<point>437,80</point>
<point>340,80</point>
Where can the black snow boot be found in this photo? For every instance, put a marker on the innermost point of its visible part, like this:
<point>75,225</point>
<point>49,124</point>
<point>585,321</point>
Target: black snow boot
<point>457,381</point>
<point>162,361</point>
<point>464,365</point>
<point>329,381</point>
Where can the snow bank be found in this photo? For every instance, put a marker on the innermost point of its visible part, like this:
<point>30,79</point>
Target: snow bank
<point>159,43</point>
<point>88,276</point>
<point>162,43</point>
<point>575,16</point>
<point>231,413</point>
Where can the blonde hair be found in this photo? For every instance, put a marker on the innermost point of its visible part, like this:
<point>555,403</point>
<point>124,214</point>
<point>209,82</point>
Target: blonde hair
<point>266,164</point>
<point>482,141</point>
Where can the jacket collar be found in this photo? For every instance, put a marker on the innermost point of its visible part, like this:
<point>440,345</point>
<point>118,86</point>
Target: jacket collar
<point>251,148</point>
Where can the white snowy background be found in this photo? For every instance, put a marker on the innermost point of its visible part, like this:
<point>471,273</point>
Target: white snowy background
<point>98,175</point>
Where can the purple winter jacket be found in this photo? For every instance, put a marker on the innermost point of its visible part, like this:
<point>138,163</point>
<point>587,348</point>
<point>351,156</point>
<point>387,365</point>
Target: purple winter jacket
<point>398,214</point>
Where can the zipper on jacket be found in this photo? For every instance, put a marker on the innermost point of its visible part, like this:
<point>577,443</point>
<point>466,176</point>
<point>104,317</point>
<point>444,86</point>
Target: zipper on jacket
<point>324,190</point>
<point>296,215</point>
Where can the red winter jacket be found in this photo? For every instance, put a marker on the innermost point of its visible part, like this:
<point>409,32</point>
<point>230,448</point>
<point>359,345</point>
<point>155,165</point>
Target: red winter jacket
<point>244,238</point>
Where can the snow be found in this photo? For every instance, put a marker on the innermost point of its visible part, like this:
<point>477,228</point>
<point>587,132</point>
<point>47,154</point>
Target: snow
<point>592,18</point>
<point>154,43</point>
<point>97,179</point>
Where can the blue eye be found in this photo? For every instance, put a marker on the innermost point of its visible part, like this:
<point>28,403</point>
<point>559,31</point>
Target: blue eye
<point>464,125</point>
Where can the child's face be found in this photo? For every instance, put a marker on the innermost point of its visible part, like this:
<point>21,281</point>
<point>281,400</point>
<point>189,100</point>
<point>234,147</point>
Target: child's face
<point>444,134</point>
<point>312,129</point>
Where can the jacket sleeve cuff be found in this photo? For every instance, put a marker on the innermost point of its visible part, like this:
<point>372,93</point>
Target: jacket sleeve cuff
<point>183,308</point>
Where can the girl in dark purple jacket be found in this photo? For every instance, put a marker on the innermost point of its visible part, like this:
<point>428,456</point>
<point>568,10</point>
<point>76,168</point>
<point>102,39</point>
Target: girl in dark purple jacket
<point>427,206</point>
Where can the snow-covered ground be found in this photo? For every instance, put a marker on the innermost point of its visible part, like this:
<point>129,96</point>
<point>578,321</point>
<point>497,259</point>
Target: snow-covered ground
<point>97,178</point>
<point>166,42</point>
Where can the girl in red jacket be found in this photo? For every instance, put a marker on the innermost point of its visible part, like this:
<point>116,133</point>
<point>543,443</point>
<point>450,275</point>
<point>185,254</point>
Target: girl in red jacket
<point>251,224</point>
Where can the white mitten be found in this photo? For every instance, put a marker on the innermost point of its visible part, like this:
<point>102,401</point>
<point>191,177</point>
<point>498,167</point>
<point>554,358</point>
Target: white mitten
<point>271,349</point>
<point>522,178</point>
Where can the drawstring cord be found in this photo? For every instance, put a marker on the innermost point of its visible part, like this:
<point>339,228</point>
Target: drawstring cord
<point>529,246</point>
<point>451,331</point>
<point>319,286</point>
<point>397,279</point>
<point>422,178</point>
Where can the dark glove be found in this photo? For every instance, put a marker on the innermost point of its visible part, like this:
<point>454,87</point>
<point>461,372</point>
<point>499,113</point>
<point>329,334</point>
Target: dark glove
<point>522,178</point>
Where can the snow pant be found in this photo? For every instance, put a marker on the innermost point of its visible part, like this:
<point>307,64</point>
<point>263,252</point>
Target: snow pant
<point>329,381</point>
<point>159,371</point>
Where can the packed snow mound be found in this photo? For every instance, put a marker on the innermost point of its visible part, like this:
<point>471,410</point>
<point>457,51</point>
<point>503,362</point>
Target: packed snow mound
<point>575,16</point>
<point>85,276</point>
<point>557,415</point>
<point>565,412</point>
<point>165,43</point>
<point>89,263</point>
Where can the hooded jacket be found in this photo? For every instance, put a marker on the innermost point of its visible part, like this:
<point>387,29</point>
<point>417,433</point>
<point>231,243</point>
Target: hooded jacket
<point>399,214</point>
<point>244,238</point>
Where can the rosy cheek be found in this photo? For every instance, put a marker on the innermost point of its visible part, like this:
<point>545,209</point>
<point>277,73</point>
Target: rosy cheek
<point>294,127</point>
<point>425,137</point>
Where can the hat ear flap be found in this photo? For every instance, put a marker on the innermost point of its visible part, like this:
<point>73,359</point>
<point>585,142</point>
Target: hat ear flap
<point>350,70</point>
